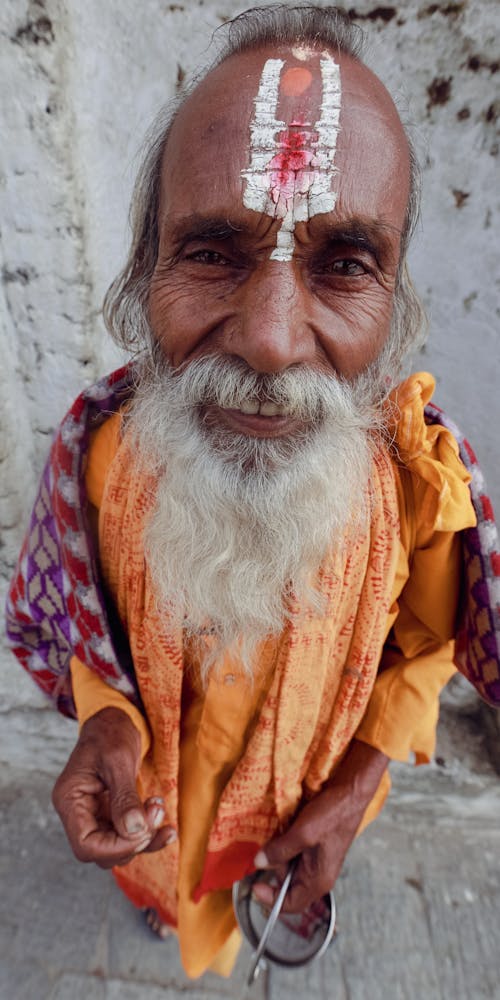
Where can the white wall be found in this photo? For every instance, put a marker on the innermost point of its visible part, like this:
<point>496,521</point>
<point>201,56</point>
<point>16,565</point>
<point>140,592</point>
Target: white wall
<point>79,83</point>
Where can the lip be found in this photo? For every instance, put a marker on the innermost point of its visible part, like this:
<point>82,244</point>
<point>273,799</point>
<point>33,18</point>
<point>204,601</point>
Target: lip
<point>253,423</point>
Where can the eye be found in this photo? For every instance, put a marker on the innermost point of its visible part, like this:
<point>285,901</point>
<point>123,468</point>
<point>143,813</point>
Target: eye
<point>345,267</point>
<point>207,257</point>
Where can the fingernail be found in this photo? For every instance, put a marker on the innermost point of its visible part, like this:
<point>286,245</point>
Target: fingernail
<point>263,893</point>
<point>261,860</point>
<point>156,800</point>
<point>144,843</point>
<point>157,816</point>
<point>172,837</point>
<point>134,822</point>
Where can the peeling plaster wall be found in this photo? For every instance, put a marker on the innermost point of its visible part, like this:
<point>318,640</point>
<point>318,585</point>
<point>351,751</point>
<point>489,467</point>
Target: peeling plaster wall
<point>79,84</point>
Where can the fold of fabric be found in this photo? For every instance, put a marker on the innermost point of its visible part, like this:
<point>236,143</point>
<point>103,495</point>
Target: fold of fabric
<point>55,605</point>
<point>321,672</point>
<point>231,807</point>
<point>417,428</point>
<point>446,480</point>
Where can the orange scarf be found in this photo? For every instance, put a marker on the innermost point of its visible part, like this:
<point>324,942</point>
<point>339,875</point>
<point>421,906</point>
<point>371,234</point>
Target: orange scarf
<point>321,681</point>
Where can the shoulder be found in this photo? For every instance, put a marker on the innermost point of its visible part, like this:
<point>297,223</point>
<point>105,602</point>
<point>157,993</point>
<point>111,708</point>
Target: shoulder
<point>88,435</point>
<point>103,446</point>
<point>434,479</point>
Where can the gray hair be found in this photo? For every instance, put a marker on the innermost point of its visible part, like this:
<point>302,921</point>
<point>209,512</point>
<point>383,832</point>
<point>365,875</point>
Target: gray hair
<point>126,302</point>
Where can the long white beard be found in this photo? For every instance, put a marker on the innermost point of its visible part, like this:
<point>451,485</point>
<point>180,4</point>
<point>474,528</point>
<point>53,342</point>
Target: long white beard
<point>242,523</point>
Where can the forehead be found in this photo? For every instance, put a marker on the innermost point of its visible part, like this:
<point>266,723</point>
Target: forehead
<point>210,145</point>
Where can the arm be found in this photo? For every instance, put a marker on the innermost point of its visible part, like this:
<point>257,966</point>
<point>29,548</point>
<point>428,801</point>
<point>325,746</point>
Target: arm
<point>417,660</point>
<point>96,794</point>
<point>324,830</point>
<point>401,717</point>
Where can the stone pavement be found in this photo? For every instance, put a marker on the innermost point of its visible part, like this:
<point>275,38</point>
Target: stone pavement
<point>418,902</point>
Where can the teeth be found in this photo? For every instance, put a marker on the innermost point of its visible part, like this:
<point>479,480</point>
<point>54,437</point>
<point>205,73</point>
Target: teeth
<point>268,409</point>
<point>250,406</point>
<point>265,409</point>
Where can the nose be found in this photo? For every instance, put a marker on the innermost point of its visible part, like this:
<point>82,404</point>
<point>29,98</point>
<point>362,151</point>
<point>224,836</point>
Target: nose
<point>272,332</point>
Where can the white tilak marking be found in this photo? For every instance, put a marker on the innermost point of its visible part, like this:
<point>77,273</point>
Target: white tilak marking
<point>321,198</point>
<point>263,146</point>
<point>315,195</point>
<point>302,53</point>
<point>285,239</point>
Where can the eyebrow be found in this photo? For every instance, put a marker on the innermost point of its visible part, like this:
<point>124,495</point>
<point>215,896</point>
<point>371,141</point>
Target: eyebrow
<point>198,227</point>
<point>365,234</point>
<point>372,236</point>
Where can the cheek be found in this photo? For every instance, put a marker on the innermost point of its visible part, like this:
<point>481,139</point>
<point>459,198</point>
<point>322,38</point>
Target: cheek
<point>175,317</point>
<point>356,331</point>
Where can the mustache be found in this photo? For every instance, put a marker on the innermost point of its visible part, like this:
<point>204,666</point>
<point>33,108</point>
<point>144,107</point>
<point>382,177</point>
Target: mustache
<point>228,382</point>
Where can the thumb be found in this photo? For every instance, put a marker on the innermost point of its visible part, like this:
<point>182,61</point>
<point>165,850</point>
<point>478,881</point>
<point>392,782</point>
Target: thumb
<point>280,850</point>
<point>126,809</point>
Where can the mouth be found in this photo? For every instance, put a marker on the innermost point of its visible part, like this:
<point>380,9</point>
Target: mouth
<point>260,419</point>
<point>254,407</point>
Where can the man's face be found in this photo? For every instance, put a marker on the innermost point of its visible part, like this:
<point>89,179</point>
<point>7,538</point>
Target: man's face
<point>283,256</point>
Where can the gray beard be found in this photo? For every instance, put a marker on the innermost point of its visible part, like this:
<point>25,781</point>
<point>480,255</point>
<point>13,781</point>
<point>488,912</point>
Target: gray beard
<point>241,524</point>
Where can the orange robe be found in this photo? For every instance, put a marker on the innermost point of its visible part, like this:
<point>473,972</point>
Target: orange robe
<point>216,724</point>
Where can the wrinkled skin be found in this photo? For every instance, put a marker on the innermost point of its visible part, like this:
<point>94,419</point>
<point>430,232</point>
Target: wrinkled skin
<point>96,795</point>
<point>323,830</point>
<point>215,289</point>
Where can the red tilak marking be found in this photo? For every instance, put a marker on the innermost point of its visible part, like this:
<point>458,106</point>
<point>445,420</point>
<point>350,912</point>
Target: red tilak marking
<point>290,173</point>
<point>295,80</point>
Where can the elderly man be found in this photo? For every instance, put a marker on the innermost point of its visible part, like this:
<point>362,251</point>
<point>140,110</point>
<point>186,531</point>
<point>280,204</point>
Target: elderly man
<point>275,523</point>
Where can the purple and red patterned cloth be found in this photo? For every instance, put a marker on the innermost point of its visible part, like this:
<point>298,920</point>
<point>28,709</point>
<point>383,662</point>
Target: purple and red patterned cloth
<point>56,606</point>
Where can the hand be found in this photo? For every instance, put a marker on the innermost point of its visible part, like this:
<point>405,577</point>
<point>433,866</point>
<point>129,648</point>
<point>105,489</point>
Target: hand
<point>96,795</point>
<point>323,831</point>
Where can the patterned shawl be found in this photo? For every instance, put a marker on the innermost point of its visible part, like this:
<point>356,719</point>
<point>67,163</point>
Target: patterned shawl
<point>56,606</point>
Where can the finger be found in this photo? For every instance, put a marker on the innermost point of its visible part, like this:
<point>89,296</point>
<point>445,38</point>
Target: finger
<point>281,850</point>
<point>167,835</point>
<point>90,830</point>
<point>78,805</point>
<point>300,897</point>
<point>267,886</point>
<point>74,784</point>
<point>154,808</point>
<point>103,846</point>
<point>264,893</point>
<point>153,839</point>
<point>94,797</point>
<point>155,814</point>
<point>162,838</point>
<point>309,884</point>
<point>127,812</point>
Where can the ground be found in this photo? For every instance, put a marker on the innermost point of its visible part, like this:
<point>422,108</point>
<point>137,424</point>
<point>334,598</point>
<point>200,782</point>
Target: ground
<point>418,902</point>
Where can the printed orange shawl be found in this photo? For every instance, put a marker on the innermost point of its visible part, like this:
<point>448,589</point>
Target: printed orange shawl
<point>324,672</point>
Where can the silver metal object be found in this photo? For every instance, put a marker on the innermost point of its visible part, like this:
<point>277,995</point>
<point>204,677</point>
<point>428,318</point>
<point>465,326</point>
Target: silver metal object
<point>285,939</point>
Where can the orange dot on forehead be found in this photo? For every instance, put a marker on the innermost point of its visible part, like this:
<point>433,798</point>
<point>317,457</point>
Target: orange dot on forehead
<point>295,81</point>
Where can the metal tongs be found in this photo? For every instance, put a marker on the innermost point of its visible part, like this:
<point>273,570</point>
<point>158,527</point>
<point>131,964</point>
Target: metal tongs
<point>271,921</point>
